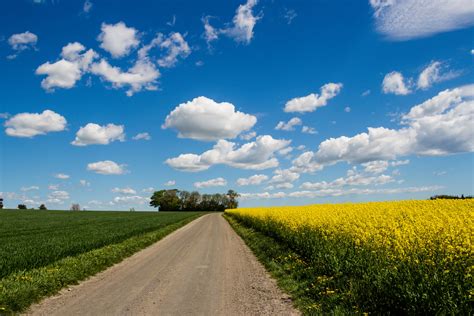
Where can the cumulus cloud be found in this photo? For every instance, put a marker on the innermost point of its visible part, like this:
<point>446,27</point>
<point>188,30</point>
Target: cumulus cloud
<point>313,101</point>
<point>410,19</point>
<point>252,180</point>
<point>438,126</point>
<point>133,199</point>
<point>142,136</point>
<point>57,196</point>
<point>284,176</point>
<point>32,124</point>
<point>433,73</point>
<point>94,134</point>
<point>290,125</point>
<point>22,41</point>
<point>118,39</point>
<point>395,83</point>
<point>192,118</point>
<point>84,183</point>
<point>256,155</point>
<point>174,46</point>
<point>149,190</point>
<point>309,130</point>
<point>26,189</point>
<point>125,191</point>
<point>217,182</point>
<point>143,75</point>
<point>311,194</point>
<point>241,29</point>
<point>87,6</point>
<point>170,183</point>
<point>106,167</point>
<point>62,176</point>
<point>67,71</point>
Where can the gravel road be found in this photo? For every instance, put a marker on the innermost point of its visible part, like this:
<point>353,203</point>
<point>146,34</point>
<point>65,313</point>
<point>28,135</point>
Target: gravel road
<point>203,268</point>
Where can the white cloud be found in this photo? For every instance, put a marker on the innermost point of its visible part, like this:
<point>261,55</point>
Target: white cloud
<point>58,195</point>
<point>118,39</point>
<point>285,151</point>
<point>290,125</point>
<point>248,136</point>
<point>309,130</point>
<point>337,192</point>
<point>410,19</point>
<point>170,183</point>
<point>394,82</point>
<point>22,41</point>
<point>26,189</point>
<point>252,180</point>
<point>149,190</point>
<point>285,175</point>
<point>87,7</point>
<point>313,101</point>
<point>84,183</point>
<point>241,29</point>
<point>68,70</point>
<point>61,176</point>
<point>142,136</point>
<point>134,199</point>
<point>53,187</point>
<point>347,109</point>
<point>353,178</point>
<point>256,155</point>
<point>210,33</point>
<point>290,15</point>
<point>106,167</point>
<point>217,182</point>
<point>32,124</point>
<point>365,93</point>
<point>174,46</point>
<point>433,74</point>
<point>244,22</point>
<point>192,118</point>
<point>94,134</point>
<point>143,75</point>
<point>125,191</point>
<point>438,126</point>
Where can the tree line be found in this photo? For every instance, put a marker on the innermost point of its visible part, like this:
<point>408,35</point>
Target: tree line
<point>183,201</point>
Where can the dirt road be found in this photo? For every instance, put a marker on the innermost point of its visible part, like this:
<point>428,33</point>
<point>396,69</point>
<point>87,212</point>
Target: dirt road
<point>203,268</point>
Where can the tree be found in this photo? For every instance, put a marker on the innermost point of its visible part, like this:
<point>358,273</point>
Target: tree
<point>232,195</point>
<point>166,200</point>
<point>1,203</point>
<point>43,207</point>
<point>22,207</point>
<point>75,207</point>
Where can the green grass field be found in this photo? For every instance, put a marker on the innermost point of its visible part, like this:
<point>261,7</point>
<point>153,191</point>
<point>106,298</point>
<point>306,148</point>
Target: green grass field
<point>43,251</point>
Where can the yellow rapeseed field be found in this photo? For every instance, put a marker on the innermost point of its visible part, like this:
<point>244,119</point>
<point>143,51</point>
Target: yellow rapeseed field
<point>425,246</point>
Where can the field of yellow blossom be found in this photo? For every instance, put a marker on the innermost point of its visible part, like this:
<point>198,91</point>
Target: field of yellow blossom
<point>408,257</point>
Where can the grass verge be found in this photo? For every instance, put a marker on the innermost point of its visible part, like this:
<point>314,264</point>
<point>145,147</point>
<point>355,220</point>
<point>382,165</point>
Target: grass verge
<point>293,275</point>
<point>21,289</point>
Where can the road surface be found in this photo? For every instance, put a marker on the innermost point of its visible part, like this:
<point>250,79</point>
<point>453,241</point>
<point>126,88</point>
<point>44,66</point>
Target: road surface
<point>203,268</point>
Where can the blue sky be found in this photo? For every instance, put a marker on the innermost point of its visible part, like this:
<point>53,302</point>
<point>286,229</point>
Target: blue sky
<point>287,102</point>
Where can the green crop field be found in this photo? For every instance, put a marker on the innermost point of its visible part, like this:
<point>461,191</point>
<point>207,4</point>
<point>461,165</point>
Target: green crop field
<point>42,251</point>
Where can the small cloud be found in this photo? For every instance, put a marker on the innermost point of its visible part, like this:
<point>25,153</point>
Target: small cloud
<point>309,130</point>
<point>84,183</point>
<point>61,176</point>
<point>172,22</point>
<point>142,136</point>
<point>87,7</point>
<point>439,173</point>
<point>211,183</point>
<point>290,125</point>
<point>199,63</point>
<point>106,167</point>
<point>366,93</point>
<point>31,188</point>
<point>290,14</point>
<point>347,109</point>
<point>170,183</point>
